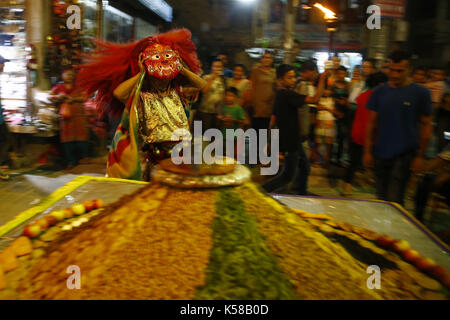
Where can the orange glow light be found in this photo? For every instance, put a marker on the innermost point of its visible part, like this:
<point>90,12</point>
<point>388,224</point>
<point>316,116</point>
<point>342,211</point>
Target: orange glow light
<point>327,13</point>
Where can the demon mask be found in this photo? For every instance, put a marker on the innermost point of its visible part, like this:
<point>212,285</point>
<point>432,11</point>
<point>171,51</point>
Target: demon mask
<point>161,61</point>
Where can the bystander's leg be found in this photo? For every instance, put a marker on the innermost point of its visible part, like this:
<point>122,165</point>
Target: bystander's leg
<point>382,170</point>
<point>422,194</point>
<point>70,150</point>
<point>399,177</point>
<point>304,170</point>
<point>288,172</point>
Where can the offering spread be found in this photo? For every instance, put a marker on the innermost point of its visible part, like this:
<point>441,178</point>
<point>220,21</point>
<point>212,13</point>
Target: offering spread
<point>234,242</point>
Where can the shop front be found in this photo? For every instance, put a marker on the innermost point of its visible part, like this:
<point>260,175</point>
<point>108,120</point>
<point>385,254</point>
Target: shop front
<point>348,42</point>
<point>38,45</point>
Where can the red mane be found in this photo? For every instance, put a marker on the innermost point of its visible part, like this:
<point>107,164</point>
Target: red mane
<point>112,63</point>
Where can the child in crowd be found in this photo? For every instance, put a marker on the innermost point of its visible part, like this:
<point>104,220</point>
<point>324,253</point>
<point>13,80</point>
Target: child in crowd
<point>231,116</point>
<point>325,127</point>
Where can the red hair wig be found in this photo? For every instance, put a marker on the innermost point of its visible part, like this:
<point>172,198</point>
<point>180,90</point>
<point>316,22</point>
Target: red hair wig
<point>112,63</point>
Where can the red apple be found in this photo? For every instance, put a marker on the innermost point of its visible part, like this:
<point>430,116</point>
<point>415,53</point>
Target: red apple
<point>439,272</point>
<point>411,255</point>
<point>51,219</point>
<point>425,264</point>
<point>59,215</point>
<point>385,241</point>
<point>42,223</point>
<point>89,205</point>
<point>98,203</point>
<point>68,213</point>
<point>32,230</point>
<point>400,246</point>
<point>78,209</point>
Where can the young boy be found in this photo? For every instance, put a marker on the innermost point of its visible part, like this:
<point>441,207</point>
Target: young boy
<point>231,116</point>
<point>285,114</point>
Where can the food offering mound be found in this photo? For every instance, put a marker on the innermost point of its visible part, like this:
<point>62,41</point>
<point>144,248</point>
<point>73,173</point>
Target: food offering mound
<point>230,242</point>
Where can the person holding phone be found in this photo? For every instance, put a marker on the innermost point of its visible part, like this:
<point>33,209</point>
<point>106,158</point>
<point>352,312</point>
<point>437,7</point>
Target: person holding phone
<point>213,94</point>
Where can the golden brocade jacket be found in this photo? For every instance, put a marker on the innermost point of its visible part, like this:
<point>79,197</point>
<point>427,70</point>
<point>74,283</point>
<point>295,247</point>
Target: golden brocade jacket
<point>160,114</point>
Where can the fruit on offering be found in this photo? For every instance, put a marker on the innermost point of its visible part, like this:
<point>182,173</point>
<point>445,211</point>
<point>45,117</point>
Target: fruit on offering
<point>51,220</point>
<point>411,255</point>
<point>68,213</point>
<point>425,264</point>
<point>21,246</point>
<point>438,271</point>
<point>78,209</point>
<point>8,260</point>
<point>32,230</point>
<point>59,215</point>
<point>42,223</point>
<point>400,246</point>
<point>98,203</point>
<point>89,205</point>
<point>385,241</point>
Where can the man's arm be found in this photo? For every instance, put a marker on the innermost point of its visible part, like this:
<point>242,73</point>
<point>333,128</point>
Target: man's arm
<point>123,91</point>
<point>426,130</point>
<point>319,90</point>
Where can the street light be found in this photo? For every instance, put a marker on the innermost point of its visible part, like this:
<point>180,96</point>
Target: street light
<point>331,23</point>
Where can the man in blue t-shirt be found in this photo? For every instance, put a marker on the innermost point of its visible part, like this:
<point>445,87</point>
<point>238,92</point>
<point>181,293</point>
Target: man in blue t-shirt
<point>398,130</point>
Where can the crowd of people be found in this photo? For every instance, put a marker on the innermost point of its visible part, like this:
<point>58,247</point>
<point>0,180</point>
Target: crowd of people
<point>360,119</point>
<point>389,120</point>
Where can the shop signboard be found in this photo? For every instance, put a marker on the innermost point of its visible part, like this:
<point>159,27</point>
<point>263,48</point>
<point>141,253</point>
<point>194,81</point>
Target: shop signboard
<point>391,8</point>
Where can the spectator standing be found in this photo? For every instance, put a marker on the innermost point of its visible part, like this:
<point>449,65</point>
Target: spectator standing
<point>344,116</point>
<point>239,80</point>
<point>325,125</point>
<point>74,131</point>
<point>419,75</point>
<point>398,130</point>
<point>437,179</point>
<point>335,64</point>
<point>359,128</point>
<point>212,96</point>
<point>437,86</point>
<point>228,73</point>
<point>356,86</point>
<point>262,93</point>
<point>385,67</point>
<point>285,115</point>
